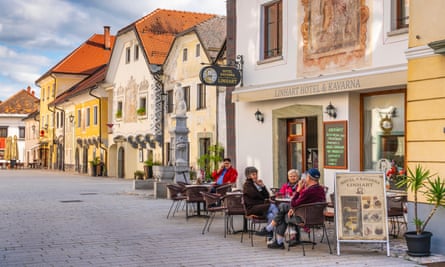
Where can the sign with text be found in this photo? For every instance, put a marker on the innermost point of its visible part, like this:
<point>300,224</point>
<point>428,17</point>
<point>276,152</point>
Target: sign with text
<point>220,75</point>
<point>335,145</point>
<point>360,207</point>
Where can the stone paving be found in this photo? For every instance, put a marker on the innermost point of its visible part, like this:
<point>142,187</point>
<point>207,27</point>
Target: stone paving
<point>60,219</point>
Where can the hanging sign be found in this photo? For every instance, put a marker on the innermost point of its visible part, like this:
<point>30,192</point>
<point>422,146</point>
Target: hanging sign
<point>220,76</point>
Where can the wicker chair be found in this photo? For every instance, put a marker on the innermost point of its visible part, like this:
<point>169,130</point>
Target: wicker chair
<point>177,196</point>
<point>313,218</point>
<point>213,205</point>
<point>253,223</point>
<point>234,207</point>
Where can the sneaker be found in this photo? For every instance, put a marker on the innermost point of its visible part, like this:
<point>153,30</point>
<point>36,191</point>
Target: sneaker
<point>264,232</point>
<point>275,245</point>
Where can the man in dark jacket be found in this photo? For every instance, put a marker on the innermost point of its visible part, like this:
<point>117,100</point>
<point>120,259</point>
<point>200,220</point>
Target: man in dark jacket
<point>308,191</point>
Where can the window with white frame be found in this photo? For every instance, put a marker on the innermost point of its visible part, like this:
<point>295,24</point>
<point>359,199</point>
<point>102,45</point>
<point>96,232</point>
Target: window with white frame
<point>87,117</point>
<point>198,50</point>
<point>136,52</point>
<point>3,131</point>
<point>170,101</point>
<point>119,108</point>
<point>21,132</point>
<point>127,55</point>
<point>201,96</point>
<point>184,54</point>
<point>142,108</point>
<point>187,96</point>
<point>272,30</point>
<point>79,118</point>
<point>400,14</point>
<point>95,115</point>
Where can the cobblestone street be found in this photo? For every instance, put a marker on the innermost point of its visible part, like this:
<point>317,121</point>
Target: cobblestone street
<point>60,219</point>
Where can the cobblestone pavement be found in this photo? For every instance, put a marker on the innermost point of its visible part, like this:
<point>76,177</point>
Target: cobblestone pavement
<point>59,219</point>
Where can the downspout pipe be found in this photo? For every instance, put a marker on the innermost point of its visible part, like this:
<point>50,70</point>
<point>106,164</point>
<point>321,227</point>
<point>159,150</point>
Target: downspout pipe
<point>64,132</point>
<point>90,92</point>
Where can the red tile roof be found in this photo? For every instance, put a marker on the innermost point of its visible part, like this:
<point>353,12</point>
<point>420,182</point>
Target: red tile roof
<point>83,86</point>
<point>158,29</point>
<point>23,102</point>
<point>85,59</point>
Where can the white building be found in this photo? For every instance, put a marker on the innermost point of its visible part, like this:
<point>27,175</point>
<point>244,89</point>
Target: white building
<point>300,57</point>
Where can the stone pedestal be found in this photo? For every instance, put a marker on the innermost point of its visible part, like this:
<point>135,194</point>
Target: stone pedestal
<point>160,189</point>
<point>143,184</point>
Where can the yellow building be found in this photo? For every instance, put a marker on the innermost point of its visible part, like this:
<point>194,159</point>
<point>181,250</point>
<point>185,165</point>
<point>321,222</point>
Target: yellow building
<point>78,65</point>
<point>425,116</point>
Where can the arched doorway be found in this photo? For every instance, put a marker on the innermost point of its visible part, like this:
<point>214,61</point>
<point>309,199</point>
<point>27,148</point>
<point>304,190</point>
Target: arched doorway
<point>77,160</point>
<point>85,160</point>
<point>120,162</point>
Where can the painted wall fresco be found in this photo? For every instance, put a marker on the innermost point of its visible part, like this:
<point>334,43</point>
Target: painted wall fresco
<point>334,31</point>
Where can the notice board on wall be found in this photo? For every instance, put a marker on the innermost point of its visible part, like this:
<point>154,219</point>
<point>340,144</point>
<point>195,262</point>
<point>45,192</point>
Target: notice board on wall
<point>335,145</point>
<point>360,208</point>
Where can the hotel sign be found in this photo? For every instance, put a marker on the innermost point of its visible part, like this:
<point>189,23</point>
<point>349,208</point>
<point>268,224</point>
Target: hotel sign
<point>318,88</point>
<point>220,75</point>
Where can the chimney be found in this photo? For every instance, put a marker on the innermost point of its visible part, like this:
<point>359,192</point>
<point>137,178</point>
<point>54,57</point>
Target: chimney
<point>28,89</point>
<point>107,41</point>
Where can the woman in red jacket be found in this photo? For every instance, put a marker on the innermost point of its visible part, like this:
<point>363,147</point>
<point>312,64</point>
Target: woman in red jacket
<point>225,174</point>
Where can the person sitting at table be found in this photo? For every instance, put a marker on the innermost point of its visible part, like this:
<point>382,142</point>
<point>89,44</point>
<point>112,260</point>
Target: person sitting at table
<point>225,174</point>
<point>308,191</point>
<point>256,197</point>
<point>288,189</point>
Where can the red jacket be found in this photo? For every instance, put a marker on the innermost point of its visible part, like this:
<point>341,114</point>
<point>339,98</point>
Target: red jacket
<point>312,194</point>
<point>229,177</point>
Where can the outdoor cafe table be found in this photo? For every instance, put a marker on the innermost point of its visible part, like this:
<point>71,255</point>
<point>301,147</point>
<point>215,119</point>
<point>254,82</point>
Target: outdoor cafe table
<point>199,198</point>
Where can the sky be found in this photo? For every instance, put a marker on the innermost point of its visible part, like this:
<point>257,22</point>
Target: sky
<point>36,34</point>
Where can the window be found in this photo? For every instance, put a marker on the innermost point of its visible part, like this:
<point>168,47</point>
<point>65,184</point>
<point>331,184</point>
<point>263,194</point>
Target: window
<point>119,110</point>
<point>201,101</point>
<point>95,115</point>
<point>62,119</point>
<point>400,14</point>
<point>184,54</point>
<point>57,119</point>
<point>272,30</point>
<point>142,106</point>
<point>87,117</point>
<point>187,97</point>
<point>383,140</point>
<point>48,91</point>
<point>79,118</point>
<point>127,55</point>
<point>43,94</point>
<point>136,52</point>
<point>198,50</point>
<point>170,101</point>
<point>54,90</point>
<point>21,132</point>
<point>3,131</point>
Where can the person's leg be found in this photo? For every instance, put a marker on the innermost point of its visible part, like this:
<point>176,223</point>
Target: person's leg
<point>280,229</point>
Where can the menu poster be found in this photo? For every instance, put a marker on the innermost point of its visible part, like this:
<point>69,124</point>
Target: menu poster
<point>335,145</point>
<point>361,206</point>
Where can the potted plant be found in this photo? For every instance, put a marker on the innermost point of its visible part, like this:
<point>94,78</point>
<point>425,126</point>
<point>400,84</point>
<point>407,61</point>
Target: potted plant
<point>148,168</point>
<point>210,161</point>
<point>95,166</point>
<point>138,175</point>
<point>141,111</point>
<point>433,188</point>
<point>119,114</point>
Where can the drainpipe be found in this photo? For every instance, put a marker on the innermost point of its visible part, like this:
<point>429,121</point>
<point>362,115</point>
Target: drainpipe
<point>64,132</point>
<point>90,92</point>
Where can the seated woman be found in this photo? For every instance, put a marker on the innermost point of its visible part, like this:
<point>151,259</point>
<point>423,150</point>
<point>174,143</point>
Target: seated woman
<point>256,196</point>
<point>288,189</point>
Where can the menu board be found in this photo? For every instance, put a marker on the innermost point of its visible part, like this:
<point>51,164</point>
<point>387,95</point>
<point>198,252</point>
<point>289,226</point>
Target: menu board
<point>360,207</point>
<point>335,145</point>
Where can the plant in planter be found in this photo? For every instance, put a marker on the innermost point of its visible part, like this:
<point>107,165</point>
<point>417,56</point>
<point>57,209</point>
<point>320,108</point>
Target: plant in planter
<point>148,168</point>
<point>210,161</point>
<point>96,167</point>
<point>141,111</point>
<point>119,114</point>
<point>433,188</point>
<point>138,175</point>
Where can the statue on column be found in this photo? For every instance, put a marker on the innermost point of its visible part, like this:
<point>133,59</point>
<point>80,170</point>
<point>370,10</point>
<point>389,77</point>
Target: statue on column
<point>180,105</point>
